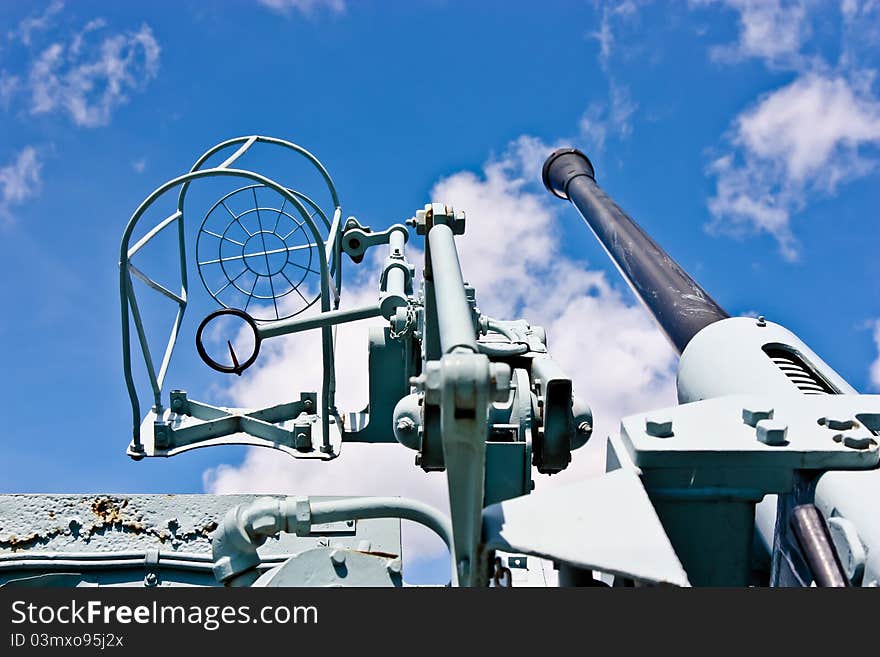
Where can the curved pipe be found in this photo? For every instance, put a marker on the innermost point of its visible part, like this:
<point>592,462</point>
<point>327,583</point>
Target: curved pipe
<point>245,527</point>
<point>677,302</point>
<point>516,347</point>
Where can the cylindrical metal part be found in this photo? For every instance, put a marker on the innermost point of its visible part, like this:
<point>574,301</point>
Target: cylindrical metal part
<point>818,550</point>
<point>676,301</point>
<point>396,240</point>
<point>396,282</point>
<point>454,316</point>
<point>330,318</point>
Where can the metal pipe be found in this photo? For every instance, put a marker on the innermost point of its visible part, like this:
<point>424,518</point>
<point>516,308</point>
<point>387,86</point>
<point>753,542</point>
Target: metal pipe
<point>454,317</point>
<point>818,550</point>
<point>246,526</point>
<point>332,317</point>
<point>677,302</point>
<point>395,274</point>
<point>364,508</point>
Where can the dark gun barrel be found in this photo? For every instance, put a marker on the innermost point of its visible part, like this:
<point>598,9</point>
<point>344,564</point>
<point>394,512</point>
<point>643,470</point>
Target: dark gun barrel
<point>677,302</point>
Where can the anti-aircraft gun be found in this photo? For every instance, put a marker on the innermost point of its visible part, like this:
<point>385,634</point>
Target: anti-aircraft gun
<point>761,420</point>
<point>758,476</point>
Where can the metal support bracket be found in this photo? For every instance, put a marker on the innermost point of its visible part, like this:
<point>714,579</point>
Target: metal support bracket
<point>293,428</point>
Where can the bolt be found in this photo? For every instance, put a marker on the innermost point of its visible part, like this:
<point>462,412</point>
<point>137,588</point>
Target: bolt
<point>838,424</point>
<point>338,557</point>
<point>394,566</point>
<point>658,426</point>
<point>151,579</point>
<point>405,424</point>
<point>761,321</point>
<point>584,427</point>
<point>752,415</point>
<point>302,441</point>
<point>856,442</point>
<point>418,459</point>
<point>772,432</point>
<point>176,404</point>
<point>307,404</point>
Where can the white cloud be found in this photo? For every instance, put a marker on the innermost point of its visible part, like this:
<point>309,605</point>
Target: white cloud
<point>800,140</point>
<point>611,117</point>
<point>612,13</point>
<point>90,79</point>
<point>25,30</point>
<point>874,370</point>
<point>9,85</point>
<point>772,30</point>
<point>139,165</point>
<point>305,7</point>
<point>19,180</point>
<point>602,120</point>
<point>511,252</point>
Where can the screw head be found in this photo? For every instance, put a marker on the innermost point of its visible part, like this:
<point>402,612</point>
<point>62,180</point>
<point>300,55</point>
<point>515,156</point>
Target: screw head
<point>658,426</point>
<point>772,432</point>
<point>405,424</point>
<point>151,579</point>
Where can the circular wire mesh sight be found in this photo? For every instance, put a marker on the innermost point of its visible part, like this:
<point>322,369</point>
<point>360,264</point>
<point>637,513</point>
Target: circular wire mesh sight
<point>255,253</point>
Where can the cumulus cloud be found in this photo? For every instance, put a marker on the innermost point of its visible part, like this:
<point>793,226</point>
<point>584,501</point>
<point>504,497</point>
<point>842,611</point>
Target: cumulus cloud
<point>89,77</point>
<point>305,7</point>
<point>772,30</point>
<point>802,139</point>
<point>512,254</point>
<point>19,180</point>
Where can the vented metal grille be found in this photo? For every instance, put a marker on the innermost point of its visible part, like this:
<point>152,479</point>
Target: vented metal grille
<point>798,372</point>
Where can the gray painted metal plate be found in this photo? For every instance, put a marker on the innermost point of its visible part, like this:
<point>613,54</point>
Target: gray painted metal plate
<point>712,432</point>
<point>606,524</point>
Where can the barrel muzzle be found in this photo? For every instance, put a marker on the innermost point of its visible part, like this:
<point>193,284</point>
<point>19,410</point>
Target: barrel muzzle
<point>563,165</point>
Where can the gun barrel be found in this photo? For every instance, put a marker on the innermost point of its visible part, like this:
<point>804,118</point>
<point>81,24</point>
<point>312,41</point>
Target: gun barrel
<point>677,302</point>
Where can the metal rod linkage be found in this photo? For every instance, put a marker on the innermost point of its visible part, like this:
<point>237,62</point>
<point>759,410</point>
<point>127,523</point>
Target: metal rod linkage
<point>454,315</point>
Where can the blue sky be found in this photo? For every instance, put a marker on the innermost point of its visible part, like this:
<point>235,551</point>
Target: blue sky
<point>742,135</point>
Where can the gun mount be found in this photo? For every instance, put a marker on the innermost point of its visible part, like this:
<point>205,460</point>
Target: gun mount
<point>476,397</point>
<point>757,476</point>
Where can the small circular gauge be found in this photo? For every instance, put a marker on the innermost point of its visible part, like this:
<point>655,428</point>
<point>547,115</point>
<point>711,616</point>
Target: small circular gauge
<point>233,341</point>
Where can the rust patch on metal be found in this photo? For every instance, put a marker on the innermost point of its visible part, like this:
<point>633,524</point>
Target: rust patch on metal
<point>110,514</point>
